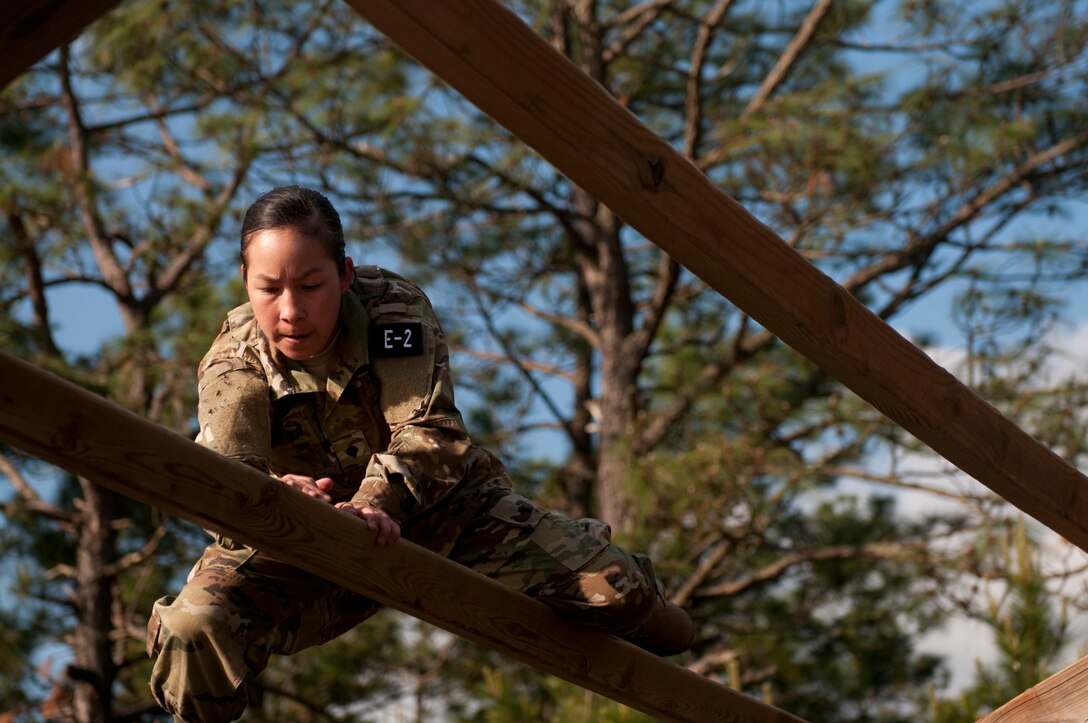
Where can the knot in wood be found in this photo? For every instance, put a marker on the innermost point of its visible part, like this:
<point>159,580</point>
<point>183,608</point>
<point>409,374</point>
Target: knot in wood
<point>652,174</point>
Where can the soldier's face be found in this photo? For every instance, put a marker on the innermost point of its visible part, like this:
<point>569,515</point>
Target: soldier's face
<point>294,287</point>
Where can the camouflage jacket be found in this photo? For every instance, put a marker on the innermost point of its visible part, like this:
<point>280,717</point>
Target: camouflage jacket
<point>384,427</point>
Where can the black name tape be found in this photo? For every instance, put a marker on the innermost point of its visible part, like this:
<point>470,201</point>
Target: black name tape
<point>403,338</point>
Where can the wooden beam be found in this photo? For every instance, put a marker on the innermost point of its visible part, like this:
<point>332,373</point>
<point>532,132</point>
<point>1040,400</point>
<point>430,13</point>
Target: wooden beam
<point>487,53</point>
<point>31,29</point>
<point>63,424</point>
<point>1061,697</point>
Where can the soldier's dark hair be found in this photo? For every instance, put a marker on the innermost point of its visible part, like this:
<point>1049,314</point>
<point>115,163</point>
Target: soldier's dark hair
<point>300,208</point>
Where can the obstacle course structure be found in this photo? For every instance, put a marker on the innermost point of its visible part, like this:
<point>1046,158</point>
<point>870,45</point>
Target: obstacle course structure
<point>484,51</point>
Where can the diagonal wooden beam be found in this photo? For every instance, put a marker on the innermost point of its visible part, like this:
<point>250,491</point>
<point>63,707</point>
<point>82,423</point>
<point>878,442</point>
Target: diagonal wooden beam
<point>68,426</point>
<point>1063,697</point>
<point>488,54</point>
<point>31,29</point>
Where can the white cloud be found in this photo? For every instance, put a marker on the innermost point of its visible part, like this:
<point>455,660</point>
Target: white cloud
<point>964,641</point>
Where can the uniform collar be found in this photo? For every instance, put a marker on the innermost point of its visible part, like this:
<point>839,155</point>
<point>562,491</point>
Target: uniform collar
<point>352,349</point>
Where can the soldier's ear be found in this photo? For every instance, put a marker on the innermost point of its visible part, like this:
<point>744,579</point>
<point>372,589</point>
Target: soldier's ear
<point>348,275</point>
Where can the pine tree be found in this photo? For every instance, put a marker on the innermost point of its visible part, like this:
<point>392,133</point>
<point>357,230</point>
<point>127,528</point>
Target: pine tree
<point>1030,632</point>
<point>610,378</point>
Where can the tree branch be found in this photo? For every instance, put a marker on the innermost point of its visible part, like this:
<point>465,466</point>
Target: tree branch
<point>708,377</point>
<point>778,568</point>
<point>575,326</point>
<point>488,356</point>
<point>788,58</point>
<point>634,22</point>
<point>693,120</point>
<point>922,245</point>
<point>702,572</point>
<point>201,237</point>
<point>637,345</point>
<point>35,283</point>
<point>897,481</point>
<point>31,499</point>
<point>169,144</point>
<point>132,559</point>
<point>512,354</point>
<point>109,266</point>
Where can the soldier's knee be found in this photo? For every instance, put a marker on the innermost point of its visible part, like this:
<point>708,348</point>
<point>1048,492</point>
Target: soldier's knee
<point>199,669</point>
<point>188,628</point>
<point>642,595</point>
<point>620,589</point>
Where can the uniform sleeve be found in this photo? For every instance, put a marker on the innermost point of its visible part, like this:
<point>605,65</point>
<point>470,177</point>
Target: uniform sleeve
<point>429,449</point>
<point>233,411</point>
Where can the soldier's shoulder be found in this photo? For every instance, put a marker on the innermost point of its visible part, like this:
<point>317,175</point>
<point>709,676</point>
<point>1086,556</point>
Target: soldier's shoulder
<point>378,285</point>
<point>235,347</point>
<point>241,323</point>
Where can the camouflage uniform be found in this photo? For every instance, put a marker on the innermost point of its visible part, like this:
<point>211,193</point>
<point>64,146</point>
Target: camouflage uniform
<point>384,427</point>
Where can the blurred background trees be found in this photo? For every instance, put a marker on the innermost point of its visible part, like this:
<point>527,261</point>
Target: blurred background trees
<point>928,156</point>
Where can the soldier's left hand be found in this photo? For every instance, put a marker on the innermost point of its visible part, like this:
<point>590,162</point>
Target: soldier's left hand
<point>318,488</point>
<point>386,528</point>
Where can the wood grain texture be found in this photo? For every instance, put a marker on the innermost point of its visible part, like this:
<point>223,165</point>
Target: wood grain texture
<point>488,54</point>
<point>1061,698</point>
<point>31,29</point>
<point>63,424</point>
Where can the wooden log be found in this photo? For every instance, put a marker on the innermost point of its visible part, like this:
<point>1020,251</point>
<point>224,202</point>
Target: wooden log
<point>31,29</point>
<point>1061,698</point>
<point>487,53</point>
<point>63,424</point>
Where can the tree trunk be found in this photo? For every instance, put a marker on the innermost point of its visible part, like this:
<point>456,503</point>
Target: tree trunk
<point>94,668</point>
<point>605,272</point>
<point>579,472</point>
<point>614,499</point>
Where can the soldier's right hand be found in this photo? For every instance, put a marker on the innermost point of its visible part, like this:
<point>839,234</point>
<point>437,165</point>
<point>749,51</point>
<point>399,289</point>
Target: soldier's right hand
<point>314,487</point>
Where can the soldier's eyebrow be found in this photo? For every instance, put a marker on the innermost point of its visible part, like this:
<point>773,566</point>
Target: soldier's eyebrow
<point>276,277</point>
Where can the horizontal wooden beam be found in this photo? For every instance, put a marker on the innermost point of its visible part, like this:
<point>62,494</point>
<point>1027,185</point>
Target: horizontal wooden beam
<point>487,53</point>
<point>1061,697</point>
<point>31,29</point>
<point>61,423</point>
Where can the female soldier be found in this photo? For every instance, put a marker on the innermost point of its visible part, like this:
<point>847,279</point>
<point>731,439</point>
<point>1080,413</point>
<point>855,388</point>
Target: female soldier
<point>336,381</point>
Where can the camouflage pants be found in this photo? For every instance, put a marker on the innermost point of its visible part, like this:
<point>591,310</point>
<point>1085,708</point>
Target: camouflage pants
<point>239,607</point>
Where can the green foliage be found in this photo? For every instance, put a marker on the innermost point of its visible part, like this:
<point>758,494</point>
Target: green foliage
<point>730,456</point>
<point>1030,631</point>
<point>551,699</point>
<point>350,677</point>
<point>22,631</point>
